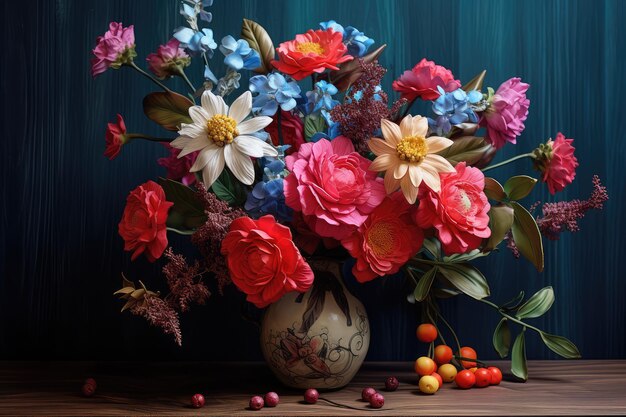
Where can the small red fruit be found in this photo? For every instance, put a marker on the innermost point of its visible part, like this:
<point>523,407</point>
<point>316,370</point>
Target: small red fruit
<point>496,375</point>
<point>465,379</point>
<point>271,399</point>
<point>483,377</point>
<point>468,352</point>
<point>438,378</point>
<point>367,393</point>
<point>88,390</point>
<point>91,381</point>
<point>443,354</point>
<point>392,383</point>
<point>377,400</point>
<point>197,401</point>
<point>425,366</point>
<point>311,396</point>
<point>426,332</point>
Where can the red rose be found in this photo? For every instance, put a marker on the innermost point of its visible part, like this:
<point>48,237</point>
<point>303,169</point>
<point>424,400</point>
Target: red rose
<point>115,137</point>
<point>263,260</point>
<point>314,51</point>
<point>143,224</point>
<point>423,80</point>
<point>292,130</point>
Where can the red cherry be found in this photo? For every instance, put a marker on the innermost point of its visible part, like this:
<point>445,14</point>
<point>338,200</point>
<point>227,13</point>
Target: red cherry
<point>271,399</point>
<point>496,375</point>
<point>197,401</point>
<point>256,403</point>
<point>311,396</point>
<point>377,400</point>
<point>465,379</point>
<point>367,393</point>
<point>483,377</point>
<point>392,383</point>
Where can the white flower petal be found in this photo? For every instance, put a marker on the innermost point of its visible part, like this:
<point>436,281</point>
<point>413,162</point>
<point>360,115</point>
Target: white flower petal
<point>383,162</point>
<point>380,147</point>
<point>438,162</point>
<point>400,170</point>
<point>432,180</point>
<point>180,142</point>
<point>240,164</point>
<point>191,129</point>
<point>391,132</point>
<point>203,158</point>
<point>249,145</point>
<point>195,144</point>
<point>253,125</point>
<point>213,168</point>
<point>240,109</point>
<point>415,173</point>
<point>391,184</point>
<point>420,126</point>
<point>213,104</point>
<point>437,143</point>
<point>198,115</point>
<point>406,126</point>
<point>408,189</point>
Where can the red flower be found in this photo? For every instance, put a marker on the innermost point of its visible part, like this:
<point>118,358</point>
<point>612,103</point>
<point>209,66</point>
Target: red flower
<point>291,128</point>
<point>459,211</point>
<point>558,163</point>
<point>178,168</point>
<point>143,224</point>
<point>263,260</point>
<point>423,80</point>
<point>386,240</point>
<point>115,137</point>
<point>314,51</point>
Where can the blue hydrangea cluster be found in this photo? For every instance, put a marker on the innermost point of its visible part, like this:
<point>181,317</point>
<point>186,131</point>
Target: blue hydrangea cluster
<point>238,54</point>
<point>268,197</point>
<point>196,41</point>
<point>355,40</point>
<point>272,91</point>
<point>321,97</point>
<point>453,109</point>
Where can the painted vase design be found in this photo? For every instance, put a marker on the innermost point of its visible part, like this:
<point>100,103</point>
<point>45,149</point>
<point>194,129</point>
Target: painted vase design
<point>319,338</point>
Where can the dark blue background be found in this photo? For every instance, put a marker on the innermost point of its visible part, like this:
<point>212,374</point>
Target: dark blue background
<point>61,200</point>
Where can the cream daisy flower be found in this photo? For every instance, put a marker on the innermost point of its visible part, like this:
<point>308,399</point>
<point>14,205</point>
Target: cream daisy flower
<point>408,157</point>
<point>223,137</point>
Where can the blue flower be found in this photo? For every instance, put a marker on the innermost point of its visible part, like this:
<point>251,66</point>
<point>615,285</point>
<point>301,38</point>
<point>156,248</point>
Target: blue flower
<point>273,90</point>
<point>268,197</point>
<point>196,42</point>
<point>453,108</point>
<point>238,54</point>
<point>331,24</point>
<point>333,129</point>
<point>354,39</point>
<point>190,9</point>
<point>321,97</point>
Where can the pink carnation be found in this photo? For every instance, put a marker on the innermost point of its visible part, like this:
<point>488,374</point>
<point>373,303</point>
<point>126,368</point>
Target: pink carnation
<point>178,168</point>
<point>560,169</point>
<point>168,59</point>
<point>331,185</point>
<point>423,80</point>
<point>505,116</point>
<point>111,47</point>
<point>459,211</point>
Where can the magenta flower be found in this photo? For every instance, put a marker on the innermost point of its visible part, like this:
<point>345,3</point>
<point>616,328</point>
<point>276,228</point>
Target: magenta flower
<point>168,60</point>
<point>556,160</point>
<point>115,48</point>
<point>507,112</point>
<point>178,168</point>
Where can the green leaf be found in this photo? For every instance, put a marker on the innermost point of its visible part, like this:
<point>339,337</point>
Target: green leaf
<point>519,367</point>
<point>500,222</point>
<point>527,236</point>
<point>514,302</point>
<point>349,72</point>
<point>560,345</point>
<point>537,305</point>
<point>466,278</point>
<point>476,83</point>
<point>260,41</point>
<point>187,213</point>
<point>519,186</point>
<point>168,109</point>
<point>312,125</point>
<point>502,338</point>
<point>228,188</point>
<point>444,292</point>
<point>494,190</point>
<point>464,257</point>
<point>433,246</point>
<point>423,286</point>
<point>468,148</point>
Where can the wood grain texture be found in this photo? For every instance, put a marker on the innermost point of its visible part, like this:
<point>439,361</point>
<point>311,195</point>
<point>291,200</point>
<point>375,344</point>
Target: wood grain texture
<point>60,199</point>
<point>52,389</point>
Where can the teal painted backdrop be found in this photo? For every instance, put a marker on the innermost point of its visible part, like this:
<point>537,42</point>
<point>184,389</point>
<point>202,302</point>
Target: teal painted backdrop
<point>60,199</point>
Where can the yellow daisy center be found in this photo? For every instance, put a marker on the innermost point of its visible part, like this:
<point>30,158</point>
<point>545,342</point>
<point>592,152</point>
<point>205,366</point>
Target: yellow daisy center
<point>380,238</point>
<point>221,129</point>
<point>310,47</point>
<point>412,149</point>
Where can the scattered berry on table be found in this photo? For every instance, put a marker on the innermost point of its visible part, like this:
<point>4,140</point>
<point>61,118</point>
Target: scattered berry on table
<point>197,401</point>
<point>88,390</point>
<point>428,384</point>
<point>256,402</point>
<point>392,383</point>
<point>271,399</point>
<point>367,393</point>
<point>496,375</point>
<point>91,381</point>
<point>311,396</point>
<point>377,400</point>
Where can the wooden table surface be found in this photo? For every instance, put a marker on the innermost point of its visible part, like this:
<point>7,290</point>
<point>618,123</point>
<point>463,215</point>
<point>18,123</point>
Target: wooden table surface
<point>133,388</point>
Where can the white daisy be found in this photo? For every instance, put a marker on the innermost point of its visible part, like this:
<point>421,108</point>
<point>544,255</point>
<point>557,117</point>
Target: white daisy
<point>223,137</point>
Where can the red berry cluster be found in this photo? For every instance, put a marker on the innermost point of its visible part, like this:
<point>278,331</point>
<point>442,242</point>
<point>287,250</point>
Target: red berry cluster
<point>376,399</point>
<point>271,399</point>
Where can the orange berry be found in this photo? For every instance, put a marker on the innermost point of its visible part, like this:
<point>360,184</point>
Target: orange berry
<point>426,333</point>
<point>424,366</point>
<point>443,354</point>
<point>468,352</point>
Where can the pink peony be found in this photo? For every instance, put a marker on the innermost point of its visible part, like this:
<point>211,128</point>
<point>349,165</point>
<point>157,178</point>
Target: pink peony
<point>178,168</point>
<point>168,60</point>
<point>115,48</point>
<point>557,162</point>
<point>459,211</point>
<point>507,112</point>
<point>115,137</point>
<point>386,241</point>
<point>332,186</point>
<point>423,80</point>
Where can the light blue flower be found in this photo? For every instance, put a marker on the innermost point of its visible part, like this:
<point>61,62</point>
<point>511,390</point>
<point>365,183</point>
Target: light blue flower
<point>268,197</point>
<point>354,39</point>
<point>191,9</point>
<point>238,54</point>
<point>271,91</point>
<point>331,24</point>
<point>453,109</point>
<point>196,42</point>
<point>321,97</point>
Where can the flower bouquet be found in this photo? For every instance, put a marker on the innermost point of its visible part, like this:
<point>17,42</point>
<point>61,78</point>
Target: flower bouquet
<point>313,158</point>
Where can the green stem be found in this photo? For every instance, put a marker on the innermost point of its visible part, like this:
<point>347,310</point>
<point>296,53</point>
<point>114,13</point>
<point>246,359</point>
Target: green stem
<point>508,161</point>
<point>131,136</point>
<point>182,74</point>
<point>456,339</point>
<point>181,232</point>
<point>148,76</point>
<point>279,121</point>
<point>509,317</point>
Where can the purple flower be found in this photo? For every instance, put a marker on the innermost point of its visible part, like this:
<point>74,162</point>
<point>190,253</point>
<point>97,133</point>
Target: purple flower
<point>505,116</point>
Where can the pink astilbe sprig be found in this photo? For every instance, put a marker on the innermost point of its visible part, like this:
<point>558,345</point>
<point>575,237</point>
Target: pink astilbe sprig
<point>184,282</point>
<point>160,314</point>
<point>364,106</point>
<point>208,237</point>
<point>564,215</point>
